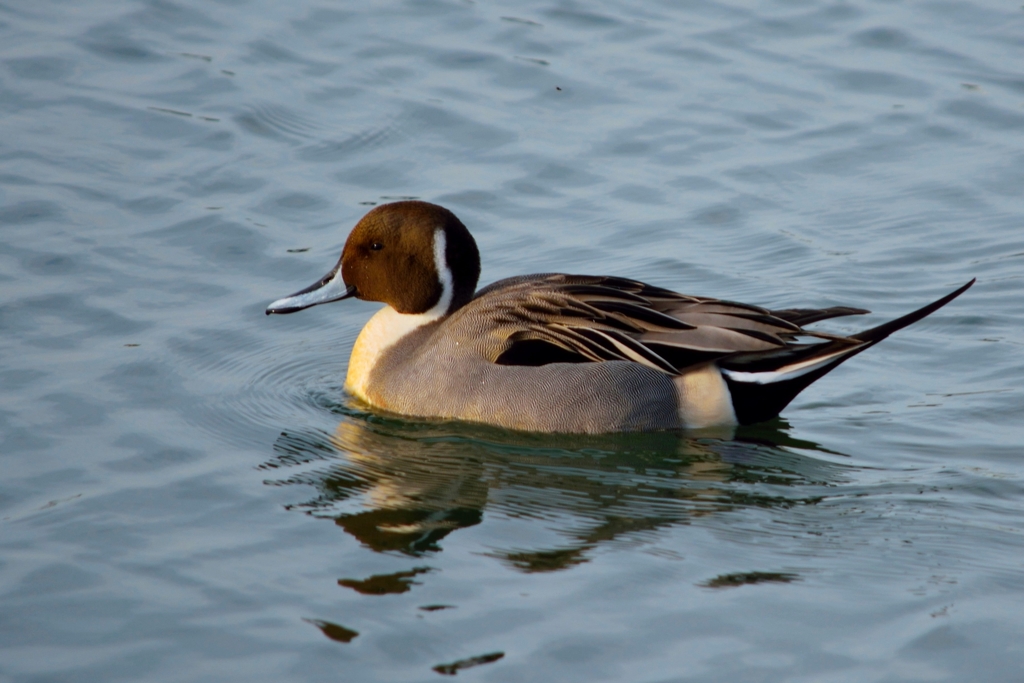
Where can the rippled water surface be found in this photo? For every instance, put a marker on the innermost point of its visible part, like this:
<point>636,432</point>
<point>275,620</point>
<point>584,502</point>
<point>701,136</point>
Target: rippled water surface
<point>188,495</point>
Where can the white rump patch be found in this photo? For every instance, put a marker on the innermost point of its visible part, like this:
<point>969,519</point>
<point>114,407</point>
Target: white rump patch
<point>704,398</point>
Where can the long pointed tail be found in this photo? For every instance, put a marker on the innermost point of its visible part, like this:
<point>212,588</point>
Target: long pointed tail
<point>877,334</point>
<point>762,384</point>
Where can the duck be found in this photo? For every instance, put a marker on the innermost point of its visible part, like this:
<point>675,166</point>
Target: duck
<point>561,353</point>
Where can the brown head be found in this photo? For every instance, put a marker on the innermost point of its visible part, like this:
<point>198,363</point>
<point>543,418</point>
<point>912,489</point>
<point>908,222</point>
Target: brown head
<point>414,256</point>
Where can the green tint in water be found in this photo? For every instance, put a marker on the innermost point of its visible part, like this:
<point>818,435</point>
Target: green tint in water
<point>406,486</point>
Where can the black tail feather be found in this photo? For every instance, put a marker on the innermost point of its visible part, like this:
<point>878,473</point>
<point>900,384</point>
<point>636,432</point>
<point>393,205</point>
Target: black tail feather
<point>806,316</point>
<point>756,401</point>
<point>877,334</point>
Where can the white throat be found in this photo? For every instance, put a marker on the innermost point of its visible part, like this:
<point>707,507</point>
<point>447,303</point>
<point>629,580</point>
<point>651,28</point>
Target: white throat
<point>388,326</point>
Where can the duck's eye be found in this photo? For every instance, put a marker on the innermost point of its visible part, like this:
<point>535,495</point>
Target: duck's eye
<point>376,246</point>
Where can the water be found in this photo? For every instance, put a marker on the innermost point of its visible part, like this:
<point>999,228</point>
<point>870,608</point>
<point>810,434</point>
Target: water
<point>188,495</point>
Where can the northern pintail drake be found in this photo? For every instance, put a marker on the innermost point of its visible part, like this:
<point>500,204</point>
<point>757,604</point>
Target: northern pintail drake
<point>562,353</point>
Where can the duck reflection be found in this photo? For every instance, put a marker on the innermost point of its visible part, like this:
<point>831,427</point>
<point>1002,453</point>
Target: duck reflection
<point>404,486</point>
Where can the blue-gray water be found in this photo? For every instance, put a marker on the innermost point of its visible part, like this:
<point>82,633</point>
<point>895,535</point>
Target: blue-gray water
<point>186,494</point>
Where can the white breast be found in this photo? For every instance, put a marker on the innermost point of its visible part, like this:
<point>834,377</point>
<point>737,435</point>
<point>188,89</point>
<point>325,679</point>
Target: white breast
<point>387,326</point>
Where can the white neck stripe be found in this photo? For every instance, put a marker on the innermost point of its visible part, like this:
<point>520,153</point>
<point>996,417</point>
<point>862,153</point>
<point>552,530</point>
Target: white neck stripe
<point>444,277</point>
